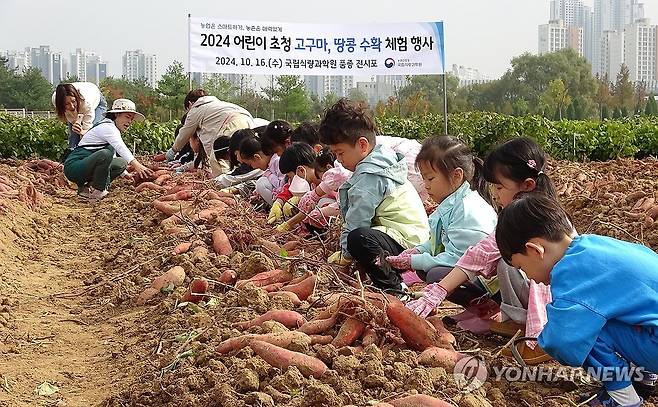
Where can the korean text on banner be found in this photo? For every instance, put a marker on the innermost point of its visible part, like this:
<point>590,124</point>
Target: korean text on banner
<point>249,47</point>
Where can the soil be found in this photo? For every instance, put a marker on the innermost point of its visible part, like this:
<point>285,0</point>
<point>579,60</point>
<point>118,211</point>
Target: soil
<point>70,272</point>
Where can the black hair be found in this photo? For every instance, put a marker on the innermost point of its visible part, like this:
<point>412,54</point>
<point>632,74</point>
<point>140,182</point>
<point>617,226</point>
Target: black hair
<point>530,216</point>
<point>234,144</point>
<point>446,153</point>
<point>192,96</point>
<point>277,134</point>
<point>260,130</point>
<point>61,92</point>
<point>220,147</point>
<point>346,122</point>
<point>306,132</point>
<point>250,146</point>
<point>295,155</point>
<point>112,116</point>
<point>200,158</point>
<point>519,159</point>
<point>324,159</point>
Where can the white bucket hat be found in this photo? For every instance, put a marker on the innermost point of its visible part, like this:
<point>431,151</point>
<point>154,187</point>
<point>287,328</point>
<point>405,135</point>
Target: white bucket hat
<point>126,106</point>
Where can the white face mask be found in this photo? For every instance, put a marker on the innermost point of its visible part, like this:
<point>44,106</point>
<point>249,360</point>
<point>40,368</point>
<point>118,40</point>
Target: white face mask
<point>299,186</point>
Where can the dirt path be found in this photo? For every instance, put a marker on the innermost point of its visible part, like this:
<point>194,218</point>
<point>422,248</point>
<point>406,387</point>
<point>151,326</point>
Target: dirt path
<point>67,342</point>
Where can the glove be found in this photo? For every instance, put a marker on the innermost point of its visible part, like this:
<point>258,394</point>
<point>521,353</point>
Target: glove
<point>339,258</point>
<point>170,155</point>
<point>308,201</point>
<point>316,219</point>
<point>433,296</point>
<point>403,260</point>
<point>290,206</point>
<point>284,227</point>
<point>276,213</point>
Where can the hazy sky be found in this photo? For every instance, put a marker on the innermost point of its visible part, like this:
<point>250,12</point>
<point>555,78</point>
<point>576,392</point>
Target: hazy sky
<point>483,34</point>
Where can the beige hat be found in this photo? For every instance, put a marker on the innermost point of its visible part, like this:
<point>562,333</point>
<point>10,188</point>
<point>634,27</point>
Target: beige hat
<point>125,106</point>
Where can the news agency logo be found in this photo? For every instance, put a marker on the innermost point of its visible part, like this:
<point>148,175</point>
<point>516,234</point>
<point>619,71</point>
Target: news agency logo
<point>470,373</point>
<point>389,63</point>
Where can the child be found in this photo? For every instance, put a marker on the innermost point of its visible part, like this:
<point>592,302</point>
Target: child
<point>308,133</point>
<point>241,174</point>
<point>515,166</point>
<point>222,154</point>
<point>319,204</point>
<point>382,213</point>
<point>604,313</point>
<point>453,178</point>
<point>272,180</point>
<point>198,157</point>
<point>276,137</point>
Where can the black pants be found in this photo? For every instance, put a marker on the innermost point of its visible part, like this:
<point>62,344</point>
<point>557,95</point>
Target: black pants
<point>365,245</point>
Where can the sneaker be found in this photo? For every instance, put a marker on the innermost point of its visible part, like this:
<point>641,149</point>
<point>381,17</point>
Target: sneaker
<point>84,192</point>
<point>401,293</point>
<point>647,387</point>
<point>507,329</point>
<point>96,195</point>
<point>603,399</point>
<point>530,356</point>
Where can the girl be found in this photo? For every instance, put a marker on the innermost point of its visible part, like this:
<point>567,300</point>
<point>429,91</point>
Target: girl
<point>276,137</point>
<point>199,159</point>
<point>453,178</point>
<point>271,182</point>
<point>81,105</point>
<point>513,167</point>
<point>93,165</point>
<point>319,204</point>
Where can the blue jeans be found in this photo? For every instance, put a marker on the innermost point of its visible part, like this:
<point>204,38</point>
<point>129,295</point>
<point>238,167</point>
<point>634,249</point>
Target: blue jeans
<point>636,345</point>
<point>99,115</point>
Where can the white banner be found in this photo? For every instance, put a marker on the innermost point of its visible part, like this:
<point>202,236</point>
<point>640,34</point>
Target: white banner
<point>249,47</point>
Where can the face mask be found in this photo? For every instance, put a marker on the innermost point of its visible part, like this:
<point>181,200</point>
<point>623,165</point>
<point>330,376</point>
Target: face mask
<point>299,186</point>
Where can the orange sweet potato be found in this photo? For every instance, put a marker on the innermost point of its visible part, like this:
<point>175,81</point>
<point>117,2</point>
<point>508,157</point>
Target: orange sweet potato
<point>162,179</point>
<point>266,278</point>
<point>175,276</point>
<point>220,242</point>
<point>419,400</point>
<point>440,357</point>
<point>321,339</point>
<point>444,334</point>
<point>282,339</point>
<point>318,326</point>
<point>292,296</point>
<point>350,331</point>
<point>148,185</point>
<point>183,195</point>
<point>181,248</point>
<point>303,289</point>
<point>158,158</point>
<point>146,295</point>
<point>228,277</point>
<point>369,337</point>
<point>290,319</point>
<point>416,332</point>
<point>283,358</point>
<point>195,291</point>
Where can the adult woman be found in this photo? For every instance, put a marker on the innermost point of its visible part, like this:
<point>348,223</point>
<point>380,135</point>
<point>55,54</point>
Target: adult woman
<point>81,105</point>
<point>93,165</point>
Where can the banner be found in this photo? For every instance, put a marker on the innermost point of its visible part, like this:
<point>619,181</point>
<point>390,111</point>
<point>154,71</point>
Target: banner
<point>218,45</point>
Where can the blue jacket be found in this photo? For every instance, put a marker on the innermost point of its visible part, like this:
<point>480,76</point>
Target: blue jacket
<point>379,196</point>
<point>460,221</point>
<point>598,279</point>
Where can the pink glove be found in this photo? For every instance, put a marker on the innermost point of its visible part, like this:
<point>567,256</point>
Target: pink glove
<point>308,201</point>
<point>403,260</point>
<point>433,296</point>
<point>317,219</point>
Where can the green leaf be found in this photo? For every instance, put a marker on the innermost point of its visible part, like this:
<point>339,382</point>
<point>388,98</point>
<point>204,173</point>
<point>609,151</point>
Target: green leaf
<point>283,253</point>
<point>46,389</point>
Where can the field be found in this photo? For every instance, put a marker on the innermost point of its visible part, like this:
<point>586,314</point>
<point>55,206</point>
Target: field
<point>73,276</point>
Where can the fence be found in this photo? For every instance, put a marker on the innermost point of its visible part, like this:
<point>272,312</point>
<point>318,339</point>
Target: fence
<point>29,113</point>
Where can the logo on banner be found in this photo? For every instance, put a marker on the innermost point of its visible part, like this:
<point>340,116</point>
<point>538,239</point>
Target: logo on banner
<point>389,63</point>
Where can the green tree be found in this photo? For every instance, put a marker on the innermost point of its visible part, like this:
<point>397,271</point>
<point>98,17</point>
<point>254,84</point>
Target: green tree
<point>571,112</point>
<point>429,88</point>
<point>605,114</point>
<point>639,97</point>
<point>32,91</point>
<point>357,95</point>
<point>8,78</point>
<point>579,109</point>
<point>146,98</point>
<point>219,87</point>
<point>652,107</point>
<point>624,111</point>
<point>623,88</point>
<point>617,113</point>
<point>173,86</point>
<point>288,98</point>
<point>555,98</point>
<point>521,107</point>
<point>603,94</point>
<point>70,78</point>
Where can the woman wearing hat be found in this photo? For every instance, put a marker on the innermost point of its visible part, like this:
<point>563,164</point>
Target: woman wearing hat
<point>81,105</point>
<point>93,164</point>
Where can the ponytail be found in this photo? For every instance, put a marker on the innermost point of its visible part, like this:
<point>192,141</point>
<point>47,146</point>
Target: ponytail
<point>479,183</point>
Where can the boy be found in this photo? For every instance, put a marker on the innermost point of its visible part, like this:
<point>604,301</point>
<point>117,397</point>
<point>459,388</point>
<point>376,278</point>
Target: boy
<point>381,210</point>
<point>605,294</point>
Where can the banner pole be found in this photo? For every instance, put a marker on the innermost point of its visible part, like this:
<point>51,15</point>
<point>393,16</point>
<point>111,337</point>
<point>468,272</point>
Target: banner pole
<point>189,51</point>
<point>445,103</point>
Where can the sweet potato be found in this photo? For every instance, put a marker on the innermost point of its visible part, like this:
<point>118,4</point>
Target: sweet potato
<point>350,331</point>
<point>266,278</point>
<point>383,405</point>
<point>282,339</point>
<point>181,248</point>
<point>158,158</point>
<point>290,319</point>
<point>161,172</point>
<point>211,195</point>
<point>292,296</point>
<point>303,289</point>
<point>638,204</point>
<point>283,358</point>
<point>444,334</point>
<point>162,179</point>
<point>419,400</point>
<point>318,326</point>
<point>220,242</point>
<point>440,357</point>
<point>146,295</point>
<point>648,203</point>
<point>630,198</point>
<point>416,332</point>
<point>197,286</point>
<point>321,339</point>
<point>228,277</point>
<point>175,276</point>
<point>270,288</point>
<point>148,185</point>
<point>653,212</point>
<point>183,195</point>
<point>169,209</point>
